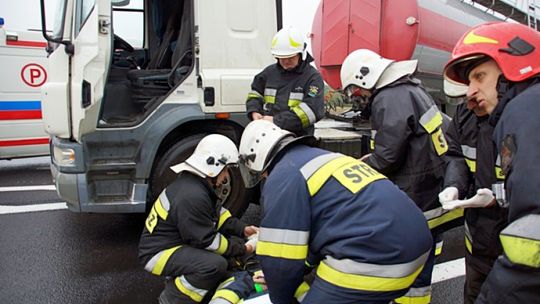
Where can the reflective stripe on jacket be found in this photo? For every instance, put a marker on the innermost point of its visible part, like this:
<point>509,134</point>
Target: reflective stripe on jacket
<point>294,98</point>
<point>186,213</point>
<point>338,210</point>
<point>409,144</point>
<point>473,164</point>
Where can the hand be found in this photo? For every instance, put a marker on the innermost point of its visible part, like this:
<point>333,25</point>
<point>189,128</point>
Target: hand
<point>250,230</point>
<point>483,198</point>
<point>258,279</point>
<point>269,118</point>
<point>256,116</point>
<point>251,244</point>
<point>448,194</point>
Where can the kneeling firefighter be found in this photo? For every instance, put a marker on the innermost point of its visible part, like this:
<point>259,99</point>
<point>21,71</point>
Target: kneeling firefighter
<point>367,240</point>
<point>188,236</point>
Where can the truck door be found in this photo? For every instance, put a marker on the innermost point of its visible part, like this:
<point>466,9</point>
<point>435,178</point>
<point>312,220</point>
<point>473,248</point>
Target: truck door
<point>92,40</point>
<point>234,41</point>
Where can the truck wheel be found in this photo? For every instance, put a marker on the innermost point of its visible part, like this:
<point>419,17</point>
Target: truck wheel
<point>234,195</point>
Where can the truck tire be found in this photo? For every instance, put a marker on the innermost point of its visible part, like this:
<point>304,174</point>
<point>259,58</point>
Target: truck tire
<point>236,196</point>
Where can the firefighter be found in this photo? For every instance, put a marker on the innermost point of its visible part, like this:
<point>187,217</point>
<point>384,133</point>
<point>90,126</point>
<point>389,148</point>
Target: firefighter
<point>500,62</point>
<point>188,236</point>
<point>472,168</point>
<point>332,212</point>
<point>290,92</point>
<point>407,140</point>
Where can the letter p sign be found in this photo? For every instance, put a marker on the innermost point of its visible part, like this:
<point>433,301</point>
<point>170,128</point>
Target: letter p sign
<point>33,75</point>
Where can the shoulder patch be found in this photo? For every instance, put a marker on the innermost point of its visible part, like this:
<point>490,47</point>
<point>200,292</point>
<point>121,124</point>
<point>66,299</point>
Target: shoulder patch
<point>313,90</point>
<point>508,150</point>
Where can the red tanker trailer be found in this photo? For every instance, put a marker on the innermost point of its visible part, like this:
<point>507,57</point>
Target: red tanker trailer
<point>398,29</point>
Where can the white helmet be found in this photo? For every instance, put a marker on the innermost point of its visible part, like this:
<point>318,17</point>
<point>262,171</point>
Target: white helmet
<point>288,42</point>
<point>211,155</point>
<point>363,68</point>
<point>259,140</point>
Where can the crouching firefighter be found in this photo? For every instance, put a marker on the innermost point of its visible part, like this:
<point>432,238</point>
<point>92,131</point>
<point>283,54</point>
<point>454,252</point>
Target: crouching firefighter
<point>366,239</point>
<point>188,236</point>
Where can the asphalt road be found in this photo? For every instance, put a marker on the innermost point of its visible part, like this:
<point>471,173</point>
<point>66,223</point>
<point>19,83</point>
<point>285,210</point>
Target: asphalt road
<point>59,257</point>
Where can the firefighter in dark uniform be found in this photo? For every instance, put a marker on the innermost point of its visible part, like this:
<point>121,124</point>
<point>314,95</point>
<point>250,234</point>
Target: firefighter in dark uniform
<point>188,236</point>
<point>500,62</point>
<point>472,164</point>
<point>366,238</point>
<point>288,93</point>
<point>407,140</point>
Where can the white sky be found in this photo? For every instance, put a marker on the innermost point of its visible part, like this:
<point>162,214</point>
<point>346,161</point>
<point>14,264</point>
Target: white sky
<point>24,14</point>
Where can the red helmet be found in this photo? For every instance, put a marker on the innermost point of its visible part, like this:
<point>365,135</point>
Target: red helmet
<point>511,45</point>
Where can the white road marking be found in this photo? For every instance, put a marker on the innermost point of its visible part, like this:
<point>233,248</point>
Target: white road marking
<point>32,208</point>
<point>27,188</point>
<point>448,270</point>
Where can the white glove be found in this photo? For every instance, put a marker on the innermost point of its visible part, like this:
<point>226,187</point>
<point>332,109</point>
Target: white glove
<point>448,194</point>
<point>252,241</point>
<point>484,197</point>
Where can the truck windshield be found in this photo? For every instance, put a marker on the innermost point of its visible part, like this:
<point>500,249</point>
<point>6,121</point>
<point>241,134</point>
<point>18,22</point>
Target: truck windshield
<point>59,19</point>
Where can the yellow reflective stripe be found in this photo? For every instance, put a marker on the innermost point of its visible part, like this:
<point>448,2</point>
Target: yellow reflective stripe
<point>223,217</point>
<point>162,261</point>
<point>521,241</point>
<point>302,115</point>
<point>294,103</point>
<point>160,210</point>
<point>468,245</point>
<point>372,144</point>
<point>356,176</point>
<point>223,244</point>
<point>521,251</point>
<point>468,237</point>
<point>414,300</point>
<point>471,164</point>
<point>226,294</point>
<point>285,251</point>
<point>254,96</point>
<point>301,291</point>
<point>270,95</point>
<point>439,142</point>
<point>317,180</point>
<point>363,282</point>
<point>192,294</point>
<point>445,218</point>
<point>431,120</point>
<point>270,99</point>
<point>438,248</point>
<point>293,43</point>
<point>499,173</point>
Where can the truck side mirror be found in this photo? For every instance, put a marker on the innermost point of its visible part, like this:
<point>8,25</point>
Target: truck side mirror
<point>69,48</point>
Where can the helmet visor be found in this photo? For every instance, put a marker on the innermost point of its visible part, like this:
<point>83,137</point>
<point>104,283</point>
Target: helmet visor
<point>251,177</point>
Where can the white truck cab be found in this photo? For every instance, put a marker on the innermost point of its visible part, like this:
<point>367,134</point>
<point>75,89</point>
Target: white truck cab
<point>120,115</point>
<point>24,71</point>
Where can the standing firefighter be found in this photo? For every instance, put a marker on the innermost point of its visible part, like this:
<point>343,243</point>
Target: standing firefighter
<point>290,92</point>
<point>500,62</point>
<point>408,141</point>
<point>472,168</point>
<point>366,238</point>
<point>188,236</point>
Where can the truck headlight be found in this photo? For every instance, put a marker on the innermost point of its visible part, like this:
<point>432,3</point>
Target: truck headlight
<point>64,156</point>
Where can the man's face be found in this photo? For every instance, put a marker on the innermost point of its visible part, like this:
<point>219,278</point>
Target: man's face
<point>223,177</point>
<point>482,92</point>
<point>289,63</point>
